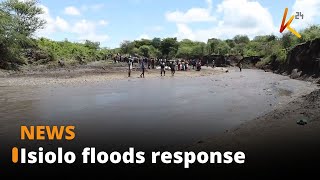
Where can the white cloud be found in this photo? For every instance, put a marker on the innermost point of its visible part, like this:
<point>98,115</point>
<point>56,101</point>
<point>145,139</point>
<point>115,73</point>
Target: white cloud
<point>143,36</point>
<point>61,24</point>
<point>93,7</point>
<point>103,22</point>
<point>237,17</point>
<point>192,15</point>
<point>86,30</point>
<point>184,32</point>
<point>52,24</point>
<point>94,37</point>
<point>71,10</point>
<point>245,17</point>
<point>209,2</point>
<point>310,10</point>
<point>83,29</point>
<point>156,28</point>
<point>97,6</point>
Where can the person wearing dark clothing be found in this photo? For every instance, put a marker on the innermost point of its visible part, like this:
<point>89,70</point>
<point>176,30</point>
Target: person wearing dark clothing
<point>162,65</point>
<point>142,69</point>
<point>149,63</point>
<point>114,59</point>
<point>129,65</point>
<point>240,66</point>
<point>173,68</point>
<point>199,66</point>
<point>152,63</point>
<point>193,64</point>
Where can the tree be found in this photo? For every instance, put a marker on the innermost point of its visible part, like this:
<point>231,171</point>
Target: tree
<point>198,50</point>
<point>241,39</point>
<point>310,33</point>
<point>223,48</point>
<point>169,46</point>
<point>156,42</point>
<point>154,52</point>
<point>134,52</point>
<point>25,15</point>
<point>230,43</point>
<point>253,48</point>
<point>184,52</point>
<point>187,42</point>
<point>18,21</point>
<point>92,45</point>
<point>212,45</point>
<point>144,51</point>
<point>264,39</point>
<point>240,43</point>
<point>139,43</point>
<point>126,47</point>
<point>190,49</point>
<point>287,40</point>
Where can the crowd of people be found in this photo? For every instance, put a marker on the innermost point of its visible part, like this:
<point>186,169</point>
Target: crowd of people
<point>163,64</point>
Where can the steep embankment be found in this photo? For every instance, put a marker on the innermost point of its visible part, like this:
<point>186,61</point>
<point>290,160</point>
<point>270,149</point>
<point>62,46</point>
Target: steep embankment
<point>302,62</point>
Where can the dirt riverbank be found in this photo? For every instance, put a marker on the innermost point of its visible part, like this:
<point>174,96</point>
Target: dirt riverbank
<point>78,76</point>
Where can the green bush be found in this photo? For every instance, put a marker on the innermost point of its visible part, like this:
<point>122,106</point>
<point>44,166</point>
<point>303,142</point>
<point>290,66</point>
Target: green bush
<point>264,62</point>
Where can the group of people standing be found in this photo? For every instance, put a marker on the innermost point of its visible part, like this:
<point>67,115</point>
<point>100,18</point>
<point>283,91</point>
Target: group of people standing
<point>163,63</point>
<point>182,65</point>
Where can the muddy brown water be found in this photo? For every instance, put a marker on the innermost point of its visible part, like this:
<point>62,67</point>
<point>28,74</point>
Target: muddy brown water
<point>148,112</point>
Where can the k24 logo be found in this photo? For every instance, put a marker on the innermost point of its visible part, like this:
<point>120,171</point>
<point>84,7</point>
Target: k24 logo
<point>287,24</point>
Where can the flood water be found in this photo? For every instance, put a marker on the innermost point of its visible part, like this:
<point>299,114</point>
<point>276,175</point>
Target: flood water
<point>156,112</point>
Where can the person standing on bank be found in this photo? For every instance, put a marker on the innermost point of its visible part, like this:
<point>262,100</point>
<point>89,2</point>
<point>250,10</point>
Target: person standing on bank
<point>142,68</point>
<point>240,66</point>
<point>162,65</point>
<point>173,68</point>
<point>130,63</point>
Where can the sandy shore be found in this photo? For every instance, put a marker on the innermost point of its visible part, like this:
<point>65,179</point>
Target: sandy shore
<point>84,76</point>
<point>275,130</point>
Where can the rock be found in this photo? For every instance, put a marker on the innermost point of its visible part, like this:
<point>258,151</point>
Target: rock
<point>295,74</point>
<point>61,63</point>
<point>302,122</point>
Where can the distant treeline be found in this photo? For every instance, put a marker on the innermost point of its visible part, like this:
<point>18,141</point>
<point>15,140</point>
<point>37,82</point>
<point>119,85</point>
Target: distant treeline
<point>19,21</point>
<point>263,46</point>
